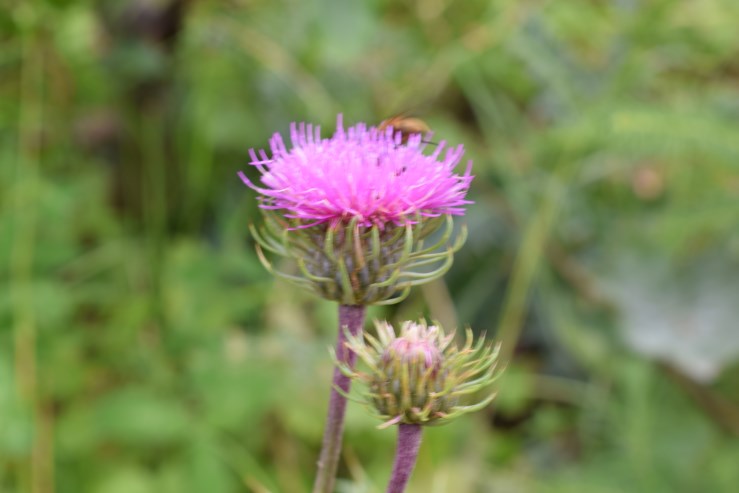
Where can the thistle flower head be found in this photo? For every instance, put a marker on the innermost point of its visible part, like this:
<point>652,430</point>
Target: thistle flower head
<point>354,209</point>
<point>360,173</point>
<point>419,376</point>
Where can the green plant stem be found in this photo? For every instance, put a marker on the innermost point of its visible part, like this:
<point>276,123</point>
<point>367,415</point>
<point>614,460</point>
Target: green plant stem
<point>409,441</point>
<point>351,317</point>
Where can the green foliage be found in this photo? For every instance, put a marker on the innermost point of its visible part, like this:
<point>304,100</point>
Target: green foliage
<point>143,348</point>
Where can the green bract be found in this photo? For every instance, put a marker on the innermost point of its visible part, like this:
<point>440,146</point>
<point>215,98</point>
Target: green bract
<point>359,265</point>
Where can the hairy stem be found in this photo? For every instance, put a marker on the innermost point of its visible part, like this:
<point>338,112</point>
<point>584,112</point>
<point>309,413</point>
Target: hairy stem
<point>409,440</point>
<point>351,317</point>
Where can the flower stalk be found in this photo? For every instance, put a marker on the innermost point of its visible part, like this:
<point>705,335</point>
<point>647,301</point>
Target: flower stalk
<point>351,321</point>
<point>409,441</point>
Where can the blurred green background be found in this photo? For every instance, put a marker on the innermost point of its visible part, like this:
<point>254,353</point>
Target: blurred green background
<point>144,349</point>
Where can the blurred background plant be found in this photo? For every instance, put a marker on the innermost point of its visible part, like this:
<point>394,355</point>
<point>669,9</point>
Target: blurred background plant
<point>144,349</point>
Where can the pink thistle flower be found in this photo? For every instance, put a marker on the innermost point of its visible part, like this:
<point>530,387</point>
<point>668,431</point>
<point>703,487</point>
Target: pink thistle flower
<point>354,210</point>
<point>361,173</point>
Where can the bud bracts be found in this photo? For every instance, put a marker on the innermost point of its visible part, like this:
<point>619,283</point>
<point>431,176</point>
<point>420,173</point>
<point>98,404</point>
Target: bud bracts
<point>420,376</point>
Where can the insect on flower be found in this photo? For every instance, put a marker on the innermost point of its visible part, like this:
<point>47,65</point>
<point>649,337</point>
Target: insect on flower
<point>406,126</point>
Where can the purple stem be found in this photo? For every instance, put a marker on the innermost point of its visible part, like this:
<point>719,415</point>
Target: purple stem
<point>352,317</point>
<point>409,440</point>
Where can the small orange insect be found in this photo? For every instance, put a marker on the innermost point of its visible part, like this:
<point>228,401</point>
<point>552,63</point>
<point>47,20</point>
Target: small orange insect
<point>406,126</point>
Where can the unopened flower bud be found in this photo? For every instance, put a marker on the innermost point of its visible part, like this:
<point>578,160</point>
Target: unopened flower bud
<point>420,376</point>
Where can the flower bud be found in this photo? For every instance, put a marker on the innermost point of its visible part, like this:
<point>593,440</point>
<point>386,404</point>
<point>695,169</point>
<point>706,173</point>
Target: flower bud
<point>420,376</point>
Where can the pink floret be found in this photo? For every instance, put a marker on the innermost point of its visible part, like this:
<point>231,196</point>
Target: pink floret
<point>361,173</point>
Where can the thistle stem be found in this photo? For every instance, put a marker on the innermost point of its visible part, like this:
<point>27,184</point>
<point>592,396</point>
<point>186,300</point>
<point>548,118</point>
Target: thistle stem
<point>409,440</point>
<point>351,317</point>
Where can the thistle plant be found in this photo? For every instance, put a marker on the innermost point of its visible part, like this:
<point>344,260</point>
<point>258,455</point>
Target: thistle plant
<point>419,377</point>
<point>355,212</point>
